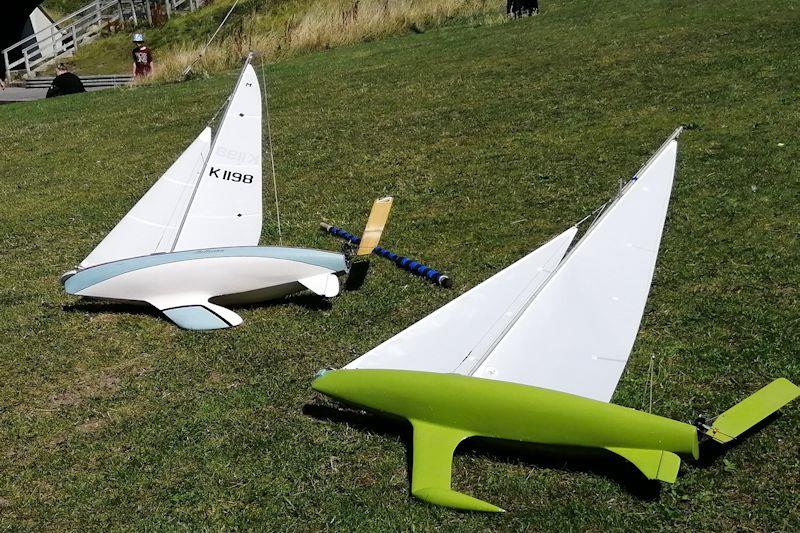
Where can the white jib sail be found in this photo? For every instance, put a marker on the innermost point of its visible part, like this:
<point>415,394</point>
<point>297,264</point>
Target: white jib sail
<point>151,225</point>
<point>444,340</point>
<point>226,207</point>
<point>579,330</point>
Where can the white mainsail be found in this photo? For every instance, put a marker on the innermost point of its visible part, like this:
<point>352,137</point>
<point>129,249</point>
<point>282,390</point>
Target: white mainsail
<point>226,207</point>
<point>152,224</point>
<point>444,340</point>
<point>566,323</point>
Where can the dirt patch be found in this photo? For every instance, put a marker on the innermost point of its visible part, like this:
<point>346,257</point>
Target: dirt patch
<point>100,386</point>
<point>65,399</point>
<point>217,379</point>
<point>105,382</point>
<point>91,425</point>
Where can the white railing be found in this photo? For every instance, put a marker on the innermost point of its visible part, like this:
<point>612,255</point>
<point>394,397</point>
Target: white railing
<point>83,26</point>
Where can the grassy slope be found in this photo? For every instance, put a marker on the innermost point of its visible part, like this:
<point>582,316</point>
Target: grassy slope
<point>60,8</point>
<point>264,26</point>
<point>115,417</point>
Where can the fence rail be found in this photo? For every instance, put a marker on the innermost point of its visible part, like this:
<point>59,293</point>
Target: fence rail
<point>81,27</point>
<point>110,80</point>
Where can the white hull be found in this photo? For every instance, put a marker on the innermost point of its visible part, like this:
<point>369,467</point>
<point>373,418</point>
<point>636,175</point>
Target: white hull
<point>187,286</point>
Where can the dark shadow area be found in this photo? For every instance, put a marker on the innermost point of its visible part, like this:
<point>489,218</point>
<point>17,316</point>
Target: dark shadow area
<point>569,459</point>
<point>306,300</point>
<point>385,426</point>
<point>382,425</point>
<point>12,26</point>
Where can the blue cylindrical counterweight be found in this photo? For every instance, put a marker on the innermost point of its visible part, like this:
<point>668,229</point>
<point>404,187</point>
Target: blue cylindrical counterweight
<point>415,267</point>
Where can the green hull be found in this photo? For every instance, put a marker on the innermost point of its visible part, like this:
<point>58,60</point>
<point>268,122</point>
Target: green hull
<point>445,409</point>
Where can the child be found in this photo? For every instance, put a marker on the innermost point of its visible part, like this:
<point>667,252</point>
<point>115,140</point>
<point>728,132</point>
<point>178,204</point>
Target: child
<point>143,64</point>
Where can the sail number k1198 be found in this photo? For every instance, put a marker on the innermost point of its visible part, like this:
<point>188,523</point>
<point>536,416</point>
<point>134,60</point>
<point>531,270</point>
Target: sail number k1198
<point>231,176</point>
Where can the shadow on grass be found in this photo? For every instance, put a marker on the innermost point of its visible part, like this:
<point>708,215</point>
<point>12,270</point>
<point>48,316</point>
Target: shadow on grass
<point>385,426</point>
<point>306,300</point>
<point>97,306</point>
<point>568,459</point>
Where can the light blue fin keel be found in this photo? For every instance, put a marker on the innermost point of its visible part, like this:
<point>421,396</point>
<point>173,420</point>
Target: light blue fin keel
<point>203,317</point>
<point>433,464</point>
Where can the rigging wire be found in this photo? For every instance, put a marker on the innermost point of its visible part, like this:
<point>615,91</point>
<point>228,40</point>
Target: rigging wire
<point>223,106</point>
<point>648,386</point>
<point>271,158</point>
<point>596,213</point>
<point>188,69</point>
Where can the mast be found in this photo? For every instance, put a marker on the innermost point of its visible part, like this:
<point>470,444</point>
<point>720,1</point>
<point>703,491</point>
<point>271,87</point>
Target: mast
<point>247,61</point>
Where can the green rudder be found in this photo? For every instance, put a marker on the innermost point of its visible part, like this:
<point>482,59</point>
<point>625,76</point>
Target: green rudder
<point>751,410</point>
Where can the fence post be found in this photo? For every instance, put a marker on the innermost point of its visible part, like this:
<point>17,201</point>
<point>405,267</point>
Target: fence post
<point>74,39</point>
<point>168,4</point>
<point>133,12</point>
<point>27,61</point>
<point>148,12</point>
<point>8,69</point>
<point>52,41</point>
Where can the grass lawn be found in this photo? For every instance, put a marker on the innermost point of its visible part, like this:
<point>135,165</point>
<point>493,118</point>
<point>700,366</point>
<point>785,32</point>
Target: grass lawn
<point>492,139</point>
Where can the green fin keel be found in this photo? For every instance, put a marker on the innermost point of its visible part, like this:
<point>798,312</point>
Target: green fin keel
<point>752,410</point>
<point>433,465</point>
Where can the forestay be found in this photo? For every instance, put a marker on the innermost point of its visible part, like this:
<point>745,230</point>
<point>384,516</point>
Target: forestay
<point>151,225</point>
<point>226,207</point>
<point>444,340</point>
<point>578,332</point>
